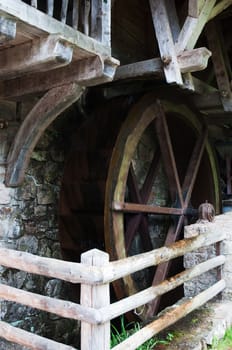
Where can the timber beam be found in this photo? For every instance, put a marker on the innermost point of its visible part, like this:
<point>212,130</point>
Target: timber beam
<point>86,72</point>
<point>47,108</point>
<point>41,54</point>
<point>222,77</point>
<point>189,61</point>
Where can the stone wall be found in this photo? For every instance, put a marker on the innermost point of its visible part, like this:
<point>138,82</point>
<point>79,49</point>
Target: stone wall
<point>221,224</point>
<point>28,222</point>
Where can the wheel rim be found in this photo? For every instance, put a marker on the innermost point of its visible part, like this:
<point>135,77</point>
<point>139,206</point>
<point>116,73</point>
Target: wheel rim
<point>131,192</point>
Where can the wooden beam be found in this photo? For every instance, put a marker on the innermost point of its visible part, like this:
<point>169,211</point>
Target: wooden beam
<point>189,61</point>
<point>7,29</point>
<point>195,7</point>
<point>194,60</point>
<point>30,340</point>
<point>39,118</point>
<point>40,55</point>
<point>165,41</point>
<point>223,82</point>
<point>101,21</point>
<point>193,27</point>
<point>87,72</point>
<point>36,21</point>
<point>173,19</point>
<point>169,316</point>
<point>219,7</point>
<point>145,208</point>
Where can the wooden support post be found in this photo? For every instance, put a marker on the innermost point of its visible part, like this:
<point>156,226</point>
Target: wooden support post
<point>50,7</point>
<point>101,21</point>
<point>95,336</point>
<point>7,29</point>
<point>165,41</point>
<point>64,9</point>
<point>75,14</point>
<point>193,27</point>
<point>222,77</point>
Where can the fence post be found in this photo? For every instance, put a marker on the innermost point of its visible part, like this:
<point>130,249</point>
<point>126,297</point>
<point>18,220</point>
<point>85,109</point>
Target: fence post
<point>95,336</point>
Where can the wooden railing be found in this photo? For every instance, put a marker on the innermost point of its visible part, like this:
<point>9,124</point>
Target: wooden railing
<point>95,273</point>
<point>91,17</point>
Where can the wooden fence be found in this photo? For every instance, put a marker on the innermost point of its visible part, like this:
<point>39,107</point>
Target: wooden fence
<point>91,17</point>
<point>95,273</point>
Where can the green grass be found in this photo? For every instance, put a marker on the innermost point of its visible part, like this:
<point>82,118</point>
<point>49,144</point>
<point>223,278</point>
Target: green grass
<point>127,330</point>
<point>225,343</point>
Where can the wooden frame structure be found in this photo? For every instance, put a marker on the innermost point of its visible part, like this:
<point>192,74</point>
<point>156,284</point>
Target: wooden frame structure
<point>95,272</point>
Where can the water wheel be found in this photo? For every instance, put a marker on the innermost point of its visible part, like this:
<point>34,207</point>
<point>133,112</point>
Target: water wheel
<point>161,169</point>
<point>132,179</point>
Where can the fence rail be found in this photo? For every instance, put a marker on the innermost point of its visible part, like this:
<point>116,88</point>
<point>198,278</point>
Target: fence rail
<point>95,273</point>
<point>91,17</point>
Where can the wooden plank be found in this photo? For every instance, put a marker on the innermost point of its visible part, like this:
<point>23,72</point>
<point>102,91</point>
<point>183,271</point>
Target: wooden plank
<point>34,3</point>
<point>30,340</point>
<point>165,42</point>
<point>219,7</point>
<point>50,7</point>
<point>169,317</point>
<point>40,55</point>
<point>95,336</point>
<point>64,10</point>
<point>52,104</point>
<point>124,267</point>
<point>88,72</point>
<point>7,29</point>
<point>58,307</point>
<point>195,7</point>
<point>222,77</point>
<point>75,14</point>
<point>146,296</point>
<point>173,19</point>
<point>101,21</point>
<point>54,268</point>
<point>193,27</point>
<point>39,23</point>
<point>78,273</point>
<point>145,208</point>
<point>194,60</point>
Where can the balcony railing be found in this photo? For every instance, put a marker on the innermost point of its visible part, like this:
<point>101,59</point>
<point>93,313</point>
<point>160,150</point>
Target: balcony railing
<point>91,17</point>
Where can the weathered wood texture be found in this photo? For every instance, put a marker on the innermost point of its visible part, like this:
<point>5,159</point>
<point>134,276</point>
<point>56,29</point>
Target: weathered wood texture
<point>77,273</point>
<point>215,43</point>
<point>48,108</point>
<point>170,317</point>
<point>165,41</point>
<point>96,297</point>
<point>32,341</point>
<point>193,27</point>
<point>37,23</point>
<point>189,61</point>
<point>61,308</point>
<point>41,55</point>
<point>100,312</point>
<point>87,72</point>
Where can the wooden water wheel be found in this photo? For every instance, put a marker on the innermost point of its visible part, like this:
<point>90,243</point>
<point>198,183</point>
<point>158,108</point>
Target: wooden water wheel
<point>132,179</point>
<point>161,169</point>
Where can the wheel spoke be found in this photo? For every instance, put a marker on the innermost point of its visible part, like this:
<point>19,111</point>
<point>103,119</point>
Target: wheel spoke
<point>191,175</point>
<point>150,178</point>
<point>168,154</point>
<point>139,220</point>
